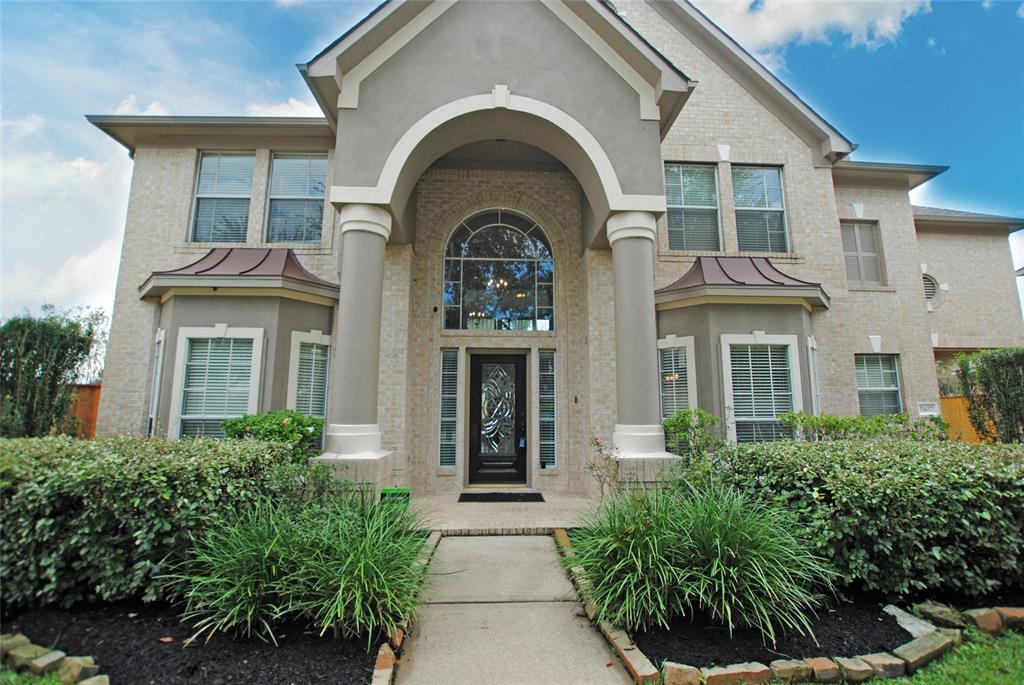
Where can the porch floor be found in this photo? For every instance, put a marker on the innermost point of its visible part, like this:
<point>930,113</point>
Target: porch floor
<point>446,514</point>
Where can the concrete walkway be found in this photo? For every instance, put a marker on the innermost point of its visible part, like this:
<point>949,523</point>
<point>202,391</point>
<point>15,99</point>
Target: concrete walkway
<point>452,517</point>
<point>499,610</point>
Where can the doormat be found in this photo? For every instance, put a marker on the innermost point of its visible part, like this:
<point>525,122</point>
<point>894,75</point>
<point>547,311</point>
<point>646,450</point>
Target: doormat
<point>501,497</point>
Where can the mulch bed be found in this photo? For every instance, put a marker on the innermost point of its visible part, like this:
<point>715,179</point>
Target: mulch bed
<point>125,640</point>
<point>846,630</point>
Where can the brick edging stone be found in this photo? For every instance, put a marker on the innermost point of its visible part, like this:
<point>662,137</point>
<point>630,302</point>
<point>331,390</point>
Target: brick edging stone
<point>18,652</point>
<point>389,653</point>
<point>929,643</point>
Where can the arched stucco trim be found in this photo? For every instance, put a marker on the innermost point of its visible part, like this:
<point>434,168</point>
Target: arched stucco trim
<point>493,115</point>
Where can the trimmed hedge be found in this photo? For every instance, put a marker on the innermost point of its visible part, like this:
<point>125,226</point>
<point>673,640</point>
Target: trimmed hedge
<point>97,519</point>
<point>899,516</point>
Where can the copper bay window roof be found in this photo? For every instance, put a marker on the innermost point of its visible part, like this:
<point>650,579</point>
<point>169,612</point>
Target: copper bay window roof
<point>737,279</point>
<point>255,269</point>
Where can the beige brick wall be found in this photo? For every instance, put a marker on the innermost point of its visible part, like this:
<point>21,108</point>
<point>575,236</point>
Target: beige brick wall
<point>156,238</point>
<point>977,303</point>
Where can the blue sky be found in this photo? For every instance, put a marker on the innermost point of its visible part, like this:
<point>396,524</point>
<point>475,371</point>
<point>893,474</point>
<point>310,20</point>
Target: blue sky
<point>908,80</point>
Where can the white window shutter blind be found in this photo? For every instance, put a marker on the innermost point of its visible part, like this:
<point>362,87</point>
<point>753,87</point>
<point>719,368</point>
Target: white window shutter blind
<point>761,389</point>
<point>218,374</point>
<point>449,407</point>
<point>547,409</point>
<point>311,384</point>
<point>673,367</point>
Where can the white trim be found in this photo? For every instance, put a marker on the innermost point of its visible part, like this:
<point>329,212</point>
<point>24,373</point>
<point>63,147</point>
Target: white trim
<point>298,337</point>
<point>686,342</point>
<point>348,98</point>
<point>383,192</point>
<point>363,217</point>
<point>632,225</point>
<point>812,369</point>
<point>648,99</point>
<point>156,377</point>
<point>758,338</point>
<point>220,330</point>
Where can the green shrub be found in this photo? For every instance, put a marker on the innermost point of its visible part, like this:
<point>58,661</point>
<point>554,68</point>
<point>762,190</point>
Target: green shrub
<point>993,384</point>
<point>816,427</point>
<point>302,433</point>
<point>899,516</point>
<point>84,519</point>
<point>345,564</point>
<point>691,433</point>
<point>651,555</point>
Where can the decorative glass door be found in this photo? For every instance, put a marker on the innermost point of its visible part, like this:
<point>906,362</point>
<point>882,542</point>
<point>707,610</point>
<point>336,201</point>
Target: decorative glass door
<point>497,421</point>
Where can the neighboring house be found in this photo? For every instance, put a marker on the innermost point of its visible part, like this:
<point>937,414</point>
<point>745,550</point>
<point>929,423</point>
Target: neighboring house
<point>521,224</point>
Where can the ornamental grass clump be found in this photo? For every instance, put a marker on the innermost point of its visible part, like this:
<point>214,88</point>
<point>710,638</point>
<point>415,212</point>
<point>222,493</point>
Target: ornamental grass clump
<point>701,549</point>
<point>344,565</point>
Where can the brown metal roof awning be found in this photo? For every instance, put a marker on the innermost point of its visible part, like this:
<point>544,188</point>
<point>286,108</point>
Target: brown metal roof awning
<point>736,279</point>
<point>257,270</point>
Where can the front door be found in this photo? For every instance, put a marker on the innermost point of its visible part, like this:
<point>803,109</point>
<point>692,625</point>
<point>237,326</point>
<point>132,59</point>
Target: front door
<point>497,418</point>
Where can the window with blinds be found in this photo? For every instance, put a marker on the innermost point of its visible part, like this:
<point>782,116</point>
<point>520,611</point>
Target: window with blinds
<point>672,368</point>
<point>760,209</point>
<point>218,377</point>
<point>762,388</point>
<point>311,381</point>
<point>878,384</point>
<point>222,197</point>
<point>862,253</point>
<point>297,186</point>
<point>546,401</point>
<point>692,196</point>
<point>449,407</point>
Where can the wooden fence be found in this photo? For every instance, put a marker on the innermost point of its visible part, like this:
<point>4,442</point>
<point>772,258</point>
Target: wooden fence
<point>954,411</point>
<point>85,408</point>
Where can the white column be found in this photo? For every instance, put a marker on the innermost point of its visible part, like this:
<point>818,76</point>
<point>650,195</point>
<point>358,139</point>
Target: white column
<point>353,436</point>
<point>638,432</point>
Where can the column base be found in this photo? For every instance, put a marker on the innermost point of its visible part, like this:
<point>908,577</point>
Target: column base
<point>640,451</point>
<point>354,453</point>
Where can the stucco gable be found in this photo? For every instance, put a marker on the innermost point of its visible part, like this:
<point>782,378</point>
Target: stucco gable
<point>337,73</point>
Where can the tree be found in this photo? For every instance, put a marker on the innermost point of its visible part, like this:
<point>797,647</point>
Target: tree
<point>40,360</point>
<point>993,384</point>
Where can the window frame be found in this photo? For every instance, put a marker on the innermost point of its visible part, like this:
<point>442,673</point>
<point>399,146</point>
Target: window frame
<point>219,330</point>
<point>455,354</point>
<point>271,197</point>
<point>899,380</point>
<point>736,208</point>
<point>686,342</point>
<point>315,337</point>
<point>543,466</point>
<point>718,207</point>
<point>196,196</point>
<point>860,254</point>
<point>727,340</point>
<point>156,377</point>
<point>443,306</point>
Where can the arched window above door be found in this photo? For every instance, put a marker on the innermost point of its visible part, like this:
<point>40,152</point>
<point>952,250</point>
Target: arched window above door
<point>499,274</point>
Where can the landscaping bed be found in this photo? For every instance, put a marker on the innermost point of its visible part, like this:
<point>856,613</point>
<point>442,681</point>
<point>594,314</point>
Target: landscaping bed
<point>846,630</point>
<point>126,641</point>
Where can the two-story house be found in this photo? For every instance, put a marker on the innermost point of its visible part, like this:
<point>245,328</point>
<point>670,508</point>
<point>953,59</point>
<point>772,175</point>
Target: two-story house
<point>521,224</point>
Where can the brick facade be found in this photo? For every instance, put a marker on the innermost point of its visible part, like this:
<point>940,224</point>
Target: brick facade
<point>720,115</point>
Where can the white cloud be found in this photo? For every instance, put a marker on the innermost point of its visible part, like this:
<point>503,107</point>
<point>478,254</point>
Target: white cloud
<point>1020,11</point>
<point>130,105</point>
<point>767,28</point>
<point>22,127</point>
<point>288,3</point>
<point>66,211</point>
<point>986,4</point>
<point>934,46</point>
<point>293,107</point>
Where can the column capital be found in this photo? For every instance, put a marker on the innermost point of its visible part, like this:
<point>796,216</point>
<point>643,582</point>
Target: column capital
<point>368,218</point>
<point>632,225</point>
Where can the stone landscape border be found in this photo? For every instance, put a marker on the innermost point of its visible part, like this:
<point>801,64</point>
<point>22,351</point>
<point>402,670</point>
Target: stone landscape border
<point>930,641</point>
<point>22,655</point>
<point>389,653</point>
